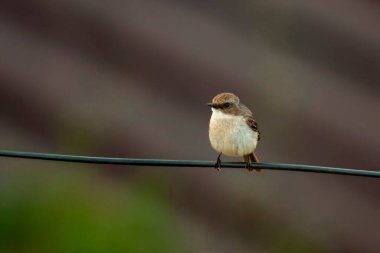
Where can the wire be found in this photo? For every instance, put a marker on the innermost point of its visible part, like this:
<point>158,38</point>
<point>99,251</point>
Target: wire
<point>186,163</point>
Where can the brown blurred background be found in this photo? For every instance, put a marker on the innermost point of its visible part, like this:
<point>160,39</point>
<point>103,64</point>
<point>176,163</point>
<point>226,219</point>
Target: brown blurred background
<point>131,79</point>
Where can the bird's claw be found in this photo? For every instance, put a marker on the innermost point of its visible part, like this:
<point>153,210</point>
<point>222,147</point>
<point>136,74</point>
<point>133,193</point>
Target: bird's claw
<point>248,166</point>
<point>218,162</point>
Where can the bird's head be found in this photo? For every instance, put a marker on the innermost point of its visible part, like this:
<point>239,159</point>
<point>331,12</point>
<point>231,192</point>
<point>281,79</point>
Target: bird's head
<point>225,102</point>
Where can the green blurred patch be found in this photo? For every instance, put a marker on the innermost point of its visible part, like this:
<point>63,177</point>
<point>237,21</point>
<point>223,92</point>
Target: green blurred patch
<point>293,243</point>
<point>66,211</point>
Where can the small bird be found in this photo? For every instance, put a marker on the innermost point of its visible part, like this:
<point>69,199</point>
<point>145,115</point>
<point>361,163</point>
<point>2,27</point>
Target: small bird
<point>233,130</point>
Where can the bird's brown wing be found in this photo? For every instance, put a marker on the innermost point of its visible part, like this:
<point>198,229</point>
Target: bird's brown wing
<point>253,125</point>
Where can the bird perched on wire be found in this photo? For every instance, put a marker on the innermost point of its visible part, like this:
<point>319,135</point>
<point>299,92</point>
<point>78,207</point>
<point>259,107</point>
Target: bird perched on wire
<point>233,131</point>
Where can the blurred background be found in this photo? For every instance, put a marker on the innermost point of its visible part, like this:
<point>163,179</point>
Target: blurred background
<point>131,79</point>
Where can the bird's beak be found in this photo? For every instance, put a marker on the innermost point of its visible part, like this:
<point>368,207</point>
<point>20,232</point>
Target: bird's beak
<point>210,104</point>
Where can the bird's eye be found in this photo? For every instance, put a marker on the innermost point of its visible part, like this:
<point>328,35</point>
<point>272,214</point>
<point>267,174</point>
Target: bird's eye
<point>226,105</point>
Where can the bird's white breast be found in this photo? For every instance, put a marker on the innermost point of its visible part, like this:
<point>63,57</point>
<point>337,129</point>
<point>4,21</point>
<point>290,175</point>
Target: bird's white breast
<point>231,135</point>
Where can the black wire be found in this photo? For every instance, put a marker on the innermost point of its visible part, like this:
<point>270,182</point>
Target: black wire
<point>186,163</point>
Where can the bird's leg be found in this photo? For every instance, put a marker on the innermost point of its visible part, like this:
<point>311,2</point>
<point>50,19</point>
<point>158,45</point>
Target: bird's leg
<point>218,162</point>
<point>247,160</point>
<point>254,159</point>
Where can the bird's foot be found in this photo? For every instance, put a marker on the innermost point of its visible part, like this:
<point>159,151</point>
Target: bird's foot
<point>248,166</point>
<point>218,162</point>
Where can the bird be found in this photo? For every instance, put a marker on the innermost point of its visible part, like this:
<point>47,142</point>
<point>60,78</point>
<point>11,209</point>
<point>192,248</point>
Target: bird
<point>232,130</point>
